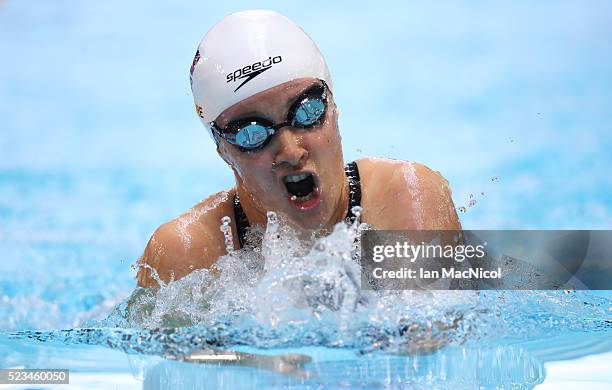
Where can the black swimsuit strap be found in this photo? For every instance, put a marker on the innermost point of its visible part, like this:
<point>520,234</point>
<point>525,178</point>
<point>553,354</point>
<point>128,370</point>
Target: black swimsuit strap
<point>352,174</point>
<point>242,222</point>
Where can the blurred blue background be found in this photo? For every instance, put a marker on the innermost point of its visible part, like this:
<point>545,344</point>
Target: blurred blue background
<point>99,141</point>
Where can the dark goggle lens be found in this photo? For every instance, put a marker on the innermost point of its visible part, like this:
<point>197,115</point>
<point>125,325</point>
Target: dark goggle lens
<point>309,112</point>
<point>252,135</point>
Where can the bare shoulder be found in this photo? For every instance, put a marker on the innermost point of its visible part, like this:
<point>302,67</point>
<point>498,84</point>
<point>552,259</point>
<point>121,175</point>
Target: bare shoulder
<point>400,172</point>
<point>399,194</point>
<point>186,243</point>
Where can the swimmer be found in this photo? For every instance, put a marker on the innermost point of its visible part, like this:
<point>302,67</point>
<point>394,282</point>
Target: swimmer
<point>263,91</point>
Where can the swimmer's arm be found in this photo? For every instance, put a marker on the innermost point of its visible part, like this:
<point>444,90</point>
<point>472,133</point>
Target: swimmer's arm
<point>175,251</point>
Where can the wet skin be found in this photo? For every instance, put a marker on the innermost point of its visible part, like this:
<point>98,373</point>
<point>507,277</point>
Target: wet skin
<point>395,194</point>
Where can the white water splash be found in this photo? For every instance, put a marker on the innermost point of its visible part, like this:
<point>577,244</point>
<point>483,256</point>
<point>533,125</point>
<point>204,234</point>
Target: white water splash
<point>288,291</point>
<point>286,282</point>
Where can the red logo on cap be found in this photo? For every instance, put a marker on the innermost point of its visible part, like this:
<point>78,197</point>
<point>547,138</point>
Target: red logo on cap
<point>199,111</point>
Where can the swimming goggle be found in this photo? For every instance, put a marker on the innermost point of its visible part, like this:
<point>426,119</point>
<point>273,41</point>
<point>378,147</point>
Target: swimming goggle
<point>254,133</point>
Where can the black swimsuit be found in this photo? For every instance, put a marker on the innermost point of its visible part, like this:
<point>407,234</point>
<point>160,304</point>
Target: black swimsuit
<point>352,174</point>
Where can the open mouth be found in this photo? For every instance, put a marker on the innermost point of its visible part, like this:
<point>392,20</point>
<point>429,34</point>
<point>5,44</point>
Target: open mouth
<point>302,189</point>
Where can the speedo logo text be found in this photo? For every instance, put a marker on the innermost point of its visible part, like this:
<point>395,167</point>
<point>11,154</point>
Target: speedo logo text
<point>249,72</point>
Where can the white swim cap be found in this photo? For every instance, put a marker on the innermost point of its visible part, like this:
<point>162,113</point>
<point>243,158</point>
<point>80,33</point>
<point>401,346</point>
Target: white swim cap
<point>247,53</point>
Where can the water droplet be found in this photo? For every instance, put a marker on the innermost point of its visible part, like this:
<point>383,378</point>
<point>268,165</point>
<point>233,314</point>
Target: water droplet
<point>227,233</point>
<point>272,218</point>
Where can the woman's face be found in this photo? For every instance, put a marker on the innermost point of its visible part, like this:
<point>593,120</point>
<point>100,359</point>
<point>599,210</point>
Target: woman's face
<point>300,172</point>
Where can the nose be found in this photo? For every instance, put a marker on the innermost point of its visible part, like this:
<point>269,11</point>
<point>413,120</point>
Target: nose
<point>289,149</point>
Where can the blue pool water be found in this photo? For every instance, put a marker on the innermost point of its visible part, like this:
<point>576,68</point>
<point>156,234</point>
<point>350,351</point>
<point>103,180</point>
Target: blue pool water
<point>99,145</point>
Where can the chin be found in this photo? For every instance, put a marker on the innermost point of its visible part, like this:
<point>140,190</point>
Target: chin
<point>315,221</point>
